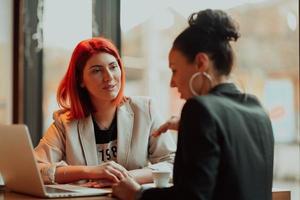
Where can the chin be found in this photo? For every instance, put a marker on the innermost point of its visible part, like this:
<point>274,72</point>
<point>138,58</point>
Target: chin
<point>114,95</point>
<point>182,96</point>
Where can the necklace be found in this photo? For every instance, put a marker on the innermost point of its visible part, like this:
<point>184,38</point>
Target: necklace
<point>106,125</point>
<point>102,127</point>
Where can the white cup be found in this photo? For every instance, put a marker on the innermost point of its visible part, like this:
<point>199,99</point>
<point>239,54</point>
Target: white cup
<point>161,178</point>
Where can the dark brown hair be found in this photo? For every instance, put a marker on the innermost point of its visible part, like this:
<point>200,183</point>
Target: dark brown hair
<point>209,31</point>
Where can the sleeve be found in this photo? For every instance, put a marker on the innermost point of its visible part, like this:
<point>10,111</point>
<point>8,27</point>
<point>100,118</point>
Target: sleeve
<point>199,154</point>
<point>50,152</point>
<point>197,157</point>
<point>161,149</point>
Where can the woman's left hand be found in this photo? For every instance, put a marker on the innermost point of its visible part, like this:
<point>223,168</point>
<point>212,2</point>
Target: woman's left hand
<point>126,189</point>
<point>124,100</point>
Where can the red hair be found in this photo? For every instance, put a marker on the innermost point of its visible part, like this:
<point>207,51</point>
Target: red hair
<point>70,95</point>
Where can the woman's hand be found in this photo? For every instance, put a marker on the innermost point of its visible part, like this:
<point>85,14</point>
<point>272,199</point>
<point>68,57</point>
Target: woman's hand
<point>109,171</point>
<point>126,189</point>
<point>98,183</point>
<point>171,124</point>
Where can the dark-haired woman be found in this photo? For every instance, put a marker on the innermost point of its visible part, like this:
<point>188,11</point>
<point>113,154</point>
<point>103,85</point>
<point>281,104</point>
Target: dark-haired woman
<point>99,134</point>
<point>225,138</point>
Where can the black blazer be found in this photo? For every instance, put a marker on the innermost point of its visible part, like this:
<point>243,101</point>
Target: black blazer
<point>224,151</point>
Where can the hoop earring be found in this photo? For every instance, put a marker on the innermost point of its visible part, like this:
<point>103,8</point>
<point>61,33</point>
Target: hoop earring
<point>206,75</point>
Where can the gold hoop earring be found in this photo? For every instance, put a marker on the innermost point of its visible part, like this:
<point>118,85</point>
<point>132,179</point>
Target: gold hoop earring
<point>206,75</point>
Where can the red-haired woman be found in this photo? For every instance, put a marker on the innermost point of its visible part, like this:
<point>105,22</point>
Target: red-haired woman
<point>99,134</point>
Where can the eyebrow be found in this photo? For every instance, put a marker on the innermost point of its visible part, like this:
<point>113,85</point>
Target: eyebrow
<point>94,66</point>
<point>112,63</point>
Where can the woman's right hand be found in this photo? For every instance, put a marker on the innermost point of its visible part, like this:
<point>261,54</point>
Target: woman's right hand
<point>171,124</point>
<point>110,171</point>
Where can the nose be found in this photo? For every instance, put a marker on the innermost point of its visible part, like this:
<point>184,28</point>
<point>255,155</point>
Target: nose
<point>107,76</point>
<point>172,83</point>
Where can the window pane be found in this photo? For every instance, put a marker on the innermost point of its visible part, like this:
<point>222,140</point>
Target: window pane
<point>66,22</point>
<point>6,67</point>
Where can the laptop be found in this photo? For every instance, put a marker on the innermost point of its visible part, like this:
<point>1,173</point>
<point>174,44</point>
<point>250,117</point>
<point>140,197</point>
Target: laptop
<point>19,169</point>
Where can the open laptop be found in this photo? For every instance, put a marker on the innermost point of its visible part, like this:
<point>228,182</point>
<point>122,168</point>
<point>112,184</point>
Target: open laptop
<point>19,169</point>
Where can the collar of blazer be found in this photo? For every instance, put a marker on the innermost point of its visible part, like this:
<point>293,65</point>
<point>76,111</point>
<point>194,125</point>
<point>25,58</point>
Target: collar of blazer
<point>125,117</point>
<point>224,88</point>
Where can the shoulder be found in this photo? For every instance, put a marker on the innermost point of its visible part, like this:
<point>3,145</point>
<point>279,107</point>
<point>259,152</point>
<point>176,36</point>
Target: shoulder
<point>203,102</point>
<point>140,102</point>
<point>197,105</point>
<point>207,106</point>
<point>141,105</point>
<point>61,115</point>
<point>61,118</point>
<point>225,102</point>
<point>227,106</point>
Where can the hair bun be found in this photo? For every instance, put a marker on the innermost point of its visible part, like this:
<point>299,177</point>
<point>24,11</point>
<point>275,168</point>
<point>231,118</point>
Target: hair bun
<point>215,23</point>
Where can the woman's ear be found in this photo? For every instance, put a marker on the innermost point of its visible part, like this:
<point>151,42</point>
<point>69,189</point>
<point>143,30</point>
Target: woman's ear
<point>202,61</point>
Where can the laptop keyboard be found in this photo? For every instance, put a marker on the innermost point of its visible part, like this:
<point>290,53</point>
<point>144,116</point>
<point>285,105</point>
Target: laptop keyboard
<point>56,190</point>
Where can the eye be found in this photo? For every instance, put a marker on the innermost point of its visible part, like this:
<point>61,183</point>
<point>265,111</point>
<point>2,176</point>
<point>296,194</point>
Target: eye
<point>95,70</point>
<point>114,67</point>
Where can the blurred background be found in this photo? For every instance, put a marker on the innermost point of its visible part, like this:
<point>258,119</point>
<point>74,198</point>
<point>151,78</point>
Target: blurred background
<point>37,38</point>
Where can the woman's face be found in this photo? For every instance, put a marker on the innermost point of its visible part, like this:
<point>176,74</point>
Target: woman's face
<point>102,77</point>
<point>182,70</point>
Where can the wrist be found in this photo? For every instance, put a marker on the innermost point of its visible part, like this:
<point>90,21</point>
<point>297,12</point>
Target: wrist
<point>139,193</point>
<point>141,176</point>
<point>86,172</point>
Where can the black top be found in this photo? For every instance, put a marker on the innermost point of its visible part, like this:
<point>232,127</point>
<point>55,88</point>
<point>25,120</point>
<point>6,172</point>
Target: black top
<point>108,135</point>
<point>106,142</point>
<point>224,151</point>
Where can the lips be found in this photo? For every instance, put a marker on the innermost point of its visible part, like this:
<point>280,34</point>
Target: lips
<point>109,87</point>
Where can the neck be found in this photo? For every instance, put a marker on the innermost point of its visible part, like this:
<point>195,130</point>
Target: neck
<point>220,79</point>
<point>104,114</point>
<point>216,79</point>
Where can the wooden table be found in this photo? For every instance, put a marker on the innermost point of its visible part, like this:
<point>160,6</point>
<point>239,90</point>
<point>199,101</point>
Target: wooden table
<point>277,194</point>
<point>6,195</point>
<point>281,194</point>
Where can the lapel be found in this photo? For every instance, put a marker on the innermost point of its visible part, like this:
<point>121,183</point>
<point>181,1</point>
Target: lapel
<point>87,139</point>
<point>125,117</point>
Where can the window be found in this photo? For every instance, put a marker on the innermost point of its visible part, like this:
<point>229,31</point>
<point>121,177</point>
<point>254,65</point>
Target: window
<point>6,61</point>
<point>62,30</point>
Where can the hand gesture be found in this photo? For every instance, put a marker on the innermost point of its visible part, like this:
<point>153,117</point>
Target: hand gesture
<point>171,124</point>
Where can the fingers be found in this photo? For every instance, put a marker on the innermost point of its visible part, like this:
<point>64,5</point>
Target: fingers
<point>103,183</point>
<point>171,124</point>
<point>124,100</point>
<point>162,129</point>
<point>89,184</point>
<point>112,174</point>
<point>174,122</point>
<point>113,171</point>
<point>121,171</point>
<point>125,189</point>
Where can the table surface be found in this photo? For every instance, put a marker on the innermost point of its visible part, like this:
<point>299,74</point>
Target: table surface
<point>277,194</point>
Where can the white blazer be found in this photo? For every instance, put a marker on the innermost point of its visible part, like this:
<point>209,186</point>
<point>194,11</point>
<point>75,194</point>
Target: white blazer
<point>73,142</point>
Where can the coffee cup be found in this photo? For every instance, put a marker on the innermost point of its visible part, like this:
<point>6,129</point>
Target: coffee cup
<point>161,178</point>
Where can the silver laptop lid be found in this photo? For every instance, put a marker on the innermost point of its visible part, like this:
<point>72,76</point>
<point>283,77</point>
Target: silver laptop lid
<point>17,163</point>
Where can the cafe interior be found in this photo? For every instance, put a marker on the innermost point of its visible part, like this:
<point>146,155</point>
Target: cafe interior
<point>37,38</point>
